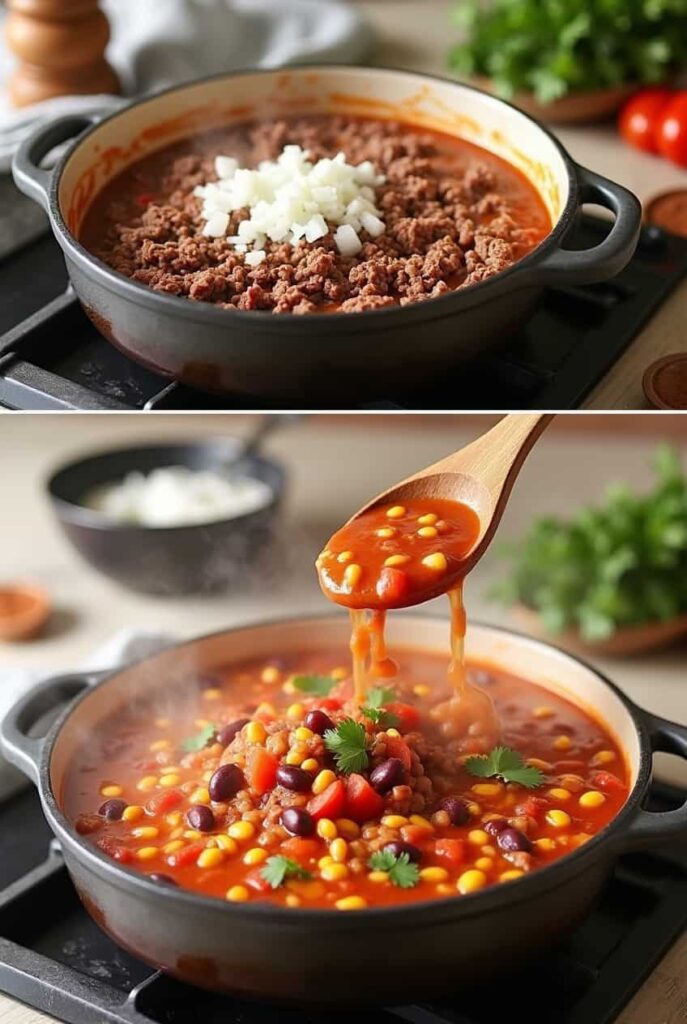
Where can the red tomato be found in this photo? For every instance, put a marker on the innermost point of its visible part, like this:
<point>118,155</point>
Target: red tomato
<point>608,781</point>
<point>328,703</point>
<point>330,803</point>
<point>392,585</point>
<point>409,717</point>
<point>533,806</point>
<point>671,131</point>
<point>112,848</point>
<point>261,770</point>
<point>162,802</point>
<point>255,880</point>
<point>639,118</point>
<point>450,850</point>
<point>189,855</point>
<point>396,747</point>
<point>362,801</point>
<point>301,850</point>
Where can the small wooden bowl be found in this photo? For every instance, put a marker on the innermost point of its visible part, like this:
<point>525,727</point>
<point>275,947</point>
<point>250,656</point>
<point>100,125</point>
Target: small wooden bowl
<point>623,643</point>
<point>24,611</point>
<point>577,108</point>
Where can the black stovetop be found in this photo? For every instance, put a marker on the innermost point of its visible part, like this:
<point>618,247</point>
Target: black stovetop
<point>51,357</point>
<point>53,957</point>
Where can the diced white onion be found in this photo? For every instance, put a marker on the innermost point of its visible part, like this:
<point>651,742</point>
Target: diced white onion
<point>255,257</point>
<point>217,224</point>
<point>347,241</point>
<point>372,224</point>
<point>226,166</point>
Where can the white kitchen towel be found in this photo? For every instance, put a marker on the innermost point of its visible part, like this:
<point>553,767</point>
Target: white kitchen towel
<point>158,43</point>
<point>123,648</point>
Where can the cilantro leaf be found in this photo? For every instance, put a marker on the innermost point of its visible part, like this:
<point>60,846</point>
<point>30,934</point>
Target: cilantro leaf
<point>319,686</point>
<point>348,743</point>
<point>374,710</point>
<point>378,696</point>
<point>401,871</point>
<point>277,869</point>
<point>506,764</point>
<point>199,741</point>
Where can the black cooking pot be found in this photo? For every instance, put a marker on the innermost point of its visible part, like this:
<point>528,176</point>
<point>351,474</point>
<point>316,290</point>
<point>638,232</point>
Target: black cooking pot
<point>327,356</point>
<point>391,954</point>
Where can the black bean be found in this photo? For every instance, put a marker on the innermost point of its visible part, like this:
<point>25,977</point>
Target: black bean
<point>511,839</point>
<point>226,782</point>
<point>318,721</point>
<point>397,847</point>
<point>495,826</point>
<point>298,821</point>
<point>161,879</point>
<point>291,777</point>
<point>200,817</point>
<point>388,774</point>
<point>456,809</point>
<point>112,810</point>
<point>227,732</point>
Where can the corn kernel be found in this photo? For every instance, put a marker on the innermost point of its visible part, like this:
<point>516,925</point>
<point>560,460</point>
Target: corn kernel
<point>176,832</point>
<point>200,795</point>
<point>394,560</point>
<point>255,732</point>
<point>592,799</point>
<point>147,852</point>
<point>192,833</point>
<point>291,900</point>
<point>394,820</point>
<point>562,743</point>
<point>339,673</point>
<point>347,828</point>
<point>256,855</point>
<point>488,850</point>
<point>176,844</point>
<point>132,813</point>
<point>428,519</point>
<point>334,872</point>
<point>111,790</point>
<point>227,844</point>
<point>546,844</point>
<point>289,687</point>
<point>352,574</point>
<point>325,861</point>
<point>326,829</point>
<point>420,822</point>
<point>428,531</point>
<point>241,830</point>
<point>147,782</point>
<point>444,889</point>
<point>559,819</point>
<point>270,674</point>
<point>322,780</point>
<point>265,709</point>
<point>484,863</point>
<point>559,794</point>
<point>478,837</point>
<point>295,756</point>
<point>303,734</point>
<point>471,881</point>
<point>378,876</point>
<point>543,712</point>
<point>486,789</point>
<point>310,764</point>
<point>295,712</point>
<point>174,818</point>
<point>474,809</point>
<point>344,557</point>
<point>604,757</point>
<point>169,780</point>
<point>385,532</point>
<point>421,690</point>
<point>338,850</point>
<point>210,858</point>
<point>434,874</point>
<point>213,693</point>
<point>395,512</point>
<point>351,903</point>
<point>393,732</point>
<point>238,894</point>
<point>436,561</point>
<point>510,876</point>
<point>145,832</point>
<point>160,745</point>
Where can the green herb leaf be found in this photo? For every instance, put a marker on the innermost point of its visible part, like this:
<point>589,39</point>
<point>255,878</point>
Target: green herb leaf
<point>277,869</point>
<point>402,872</point>
<point>348,744</point>
<point>318,686</point>
<point>506,764</point>
<point>200,741</point>
<point>376,698</point>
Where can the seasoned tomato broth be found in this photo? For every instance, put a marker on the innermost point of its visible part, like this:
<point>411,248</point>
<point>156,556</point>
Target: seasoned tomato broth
<point>452,214</point>
<point>260,811</point>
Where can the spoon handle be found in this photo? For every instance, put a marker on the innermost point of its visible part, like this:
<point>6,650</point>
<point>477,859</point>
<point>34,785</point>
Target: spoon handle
<point>496,457</point>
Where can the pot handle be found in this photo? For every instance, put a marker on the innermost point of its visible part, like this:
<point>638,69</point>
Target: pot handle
<point>653,828</point>
<point>17,743</point>
<point>32,179</point>
<point>609,257</point>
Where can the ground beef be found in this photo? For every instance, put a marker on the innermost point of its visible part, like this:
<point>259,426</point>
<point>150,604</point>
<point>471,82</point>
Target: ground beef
<point>454,215</point>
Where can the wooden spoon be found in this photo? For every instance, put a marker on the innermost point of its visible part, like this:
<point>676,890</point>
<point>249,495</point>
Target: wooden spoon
<point>480,475</point>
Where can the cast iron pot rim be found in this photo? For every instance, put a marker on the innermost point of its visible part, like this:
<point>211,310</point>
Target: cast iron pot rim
<point>481,902</point>
<point>80,515</point>
<point>442,305</point>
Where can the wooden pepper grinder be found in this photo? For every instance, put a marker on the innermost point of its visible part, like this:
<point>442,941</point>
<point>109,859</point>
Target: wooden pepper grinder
<point>60,45</point>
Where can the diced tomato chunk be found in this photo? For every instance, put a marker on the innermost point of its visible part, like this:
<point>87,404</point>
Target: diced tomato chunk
<point>534,806</point>
<point>301,850</point>
<point>415,834</point>
<point>408,716</point>
<point>87,823</point>
<point>608,781</point>
<point>189,855</point>
<point>329,703</point>
<point>396,747</point>
<point>255,880</point>
<point>392,585</point>
<point>261,770</point>
<point>113,849</point>
<point>450,850</point>
<point>330,803</point>
<point>162,802</point>
<point>363,803</point>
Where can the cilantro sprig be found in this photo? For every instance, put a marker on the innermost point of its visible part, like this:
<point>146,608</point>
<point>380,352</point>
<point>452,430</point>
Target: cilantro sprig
<point>199,741</point>
<point>400,869</point>
<point>278,868</point>
<point>504,763</point>
<point>318,686</point>
<point>377,697</point>
<point>348,743</point>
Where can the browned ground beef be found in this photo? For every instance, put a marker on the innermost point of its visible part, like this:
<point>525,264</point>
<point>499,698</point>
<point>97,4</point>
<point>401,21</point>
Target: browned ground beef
<point>454,215</point>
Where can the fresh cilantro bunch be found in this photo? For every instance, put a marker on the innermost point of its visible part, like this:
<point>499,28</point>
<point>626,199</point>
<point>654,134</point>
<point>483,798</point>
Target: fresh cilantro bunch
<point>623,563</point>
<point>400,869</point>
<point>277,869</point>
<point>556,48</point>
<point>506,764</point>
